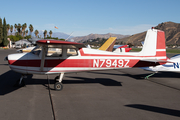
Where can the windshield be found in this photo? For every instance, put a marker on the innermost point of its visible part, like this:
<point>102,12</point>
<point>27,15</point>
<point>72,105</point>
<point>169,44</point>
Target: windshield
<point>36,50</point>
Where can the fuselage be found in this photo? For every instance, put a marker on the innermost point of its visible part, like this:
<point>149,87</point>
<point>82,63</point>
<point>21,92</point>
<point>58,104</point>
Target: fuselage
<point>84,59</point>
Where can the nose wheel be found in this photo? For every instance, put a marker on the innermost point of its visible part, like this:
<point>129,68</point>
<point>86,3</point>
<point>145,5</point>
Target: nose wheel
<point>58,82</point>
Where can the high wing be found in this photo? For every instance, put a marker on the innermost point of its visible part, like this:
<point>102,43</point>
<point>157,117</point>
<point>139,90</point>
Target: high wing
<point>59,43</point>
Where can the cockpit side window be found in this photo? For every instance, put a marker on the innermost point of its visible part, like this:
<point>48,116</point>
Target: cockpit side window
<point>54,52</point>
<point>72,52</point>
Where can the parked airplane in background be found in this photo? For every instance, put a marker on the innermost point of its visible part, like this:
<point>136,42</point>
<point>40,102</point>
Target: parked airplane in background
<point>33,40</point>
<point>121,48</point>
<point>109,44</point>
<point>172,66</point>
<point>52,57</point>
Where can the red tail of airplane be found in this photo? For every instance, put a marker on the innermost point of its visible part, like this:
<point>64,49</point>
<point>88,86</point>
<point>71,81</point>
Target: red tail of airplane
<point>154,44</point>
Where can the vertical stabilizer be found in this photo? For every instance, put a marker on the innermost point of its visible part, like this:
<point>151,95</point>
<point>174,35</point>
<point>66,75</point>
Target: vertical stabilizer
<point>154,44</point>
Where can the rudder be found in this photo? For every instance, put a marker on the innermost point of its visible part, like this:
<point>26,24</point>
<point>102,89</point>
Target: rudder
<point>154,44</point>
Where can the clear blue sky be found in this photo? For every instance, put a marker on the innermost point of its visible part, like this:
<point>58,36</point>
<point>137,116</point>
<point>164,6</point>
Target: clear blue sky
<point>91,16</point>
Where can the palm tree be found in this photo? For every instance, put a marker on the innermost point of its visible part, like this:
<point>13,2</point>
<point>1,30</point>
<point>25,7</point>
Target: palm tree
<point>15,26</point>
<point>36,32</point>
<point>45,33</point>
<point>50,33</point>
<point>8,27</point>
<point>11,29</point>
<point>19,28</point>
<point>24,26</point>
<point>26,32</point>
<point>31,28</point>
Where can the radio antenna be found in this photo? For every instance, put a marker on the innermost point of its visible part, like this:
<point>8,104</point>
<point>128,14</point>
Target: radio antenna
<point>69,36</point>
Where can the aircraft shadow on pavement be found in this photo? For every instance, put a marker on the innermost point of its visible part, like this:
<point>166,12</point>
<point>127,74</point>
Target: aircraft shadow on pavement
<point>9,79</point>
<point>84,80</point>
<point>142,76</point>
<point>4,64</point>
<point>161,110</point>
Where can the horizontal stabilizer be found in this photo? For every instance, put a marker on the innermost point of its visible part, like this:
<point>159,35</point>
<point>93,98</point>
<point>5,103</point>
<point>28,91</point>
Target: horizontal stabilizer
<point>161,61</point>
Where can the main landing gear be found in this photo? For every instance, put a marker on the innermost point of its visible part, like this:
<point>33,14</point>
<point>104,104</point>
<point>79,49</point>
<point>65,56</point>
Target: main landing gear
<point>20,82</point>
<point>58,82</point>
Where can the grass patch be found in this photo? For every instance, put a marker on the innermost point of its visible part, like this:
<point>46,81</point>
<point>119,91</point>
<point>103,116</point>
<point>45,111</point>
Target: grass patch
<point>173,50</point>
<point>136,49</point>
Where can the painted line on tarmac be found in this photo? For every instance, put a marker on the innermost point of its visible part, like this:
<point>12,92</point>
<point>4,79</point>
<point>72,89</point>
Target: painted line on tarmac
<point>52,106</point>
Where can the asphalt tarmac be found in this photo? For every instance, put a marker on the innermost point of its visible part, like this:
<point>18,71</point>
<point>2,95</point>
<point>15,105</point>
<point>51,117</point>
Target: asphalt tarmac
<point>96,95</point>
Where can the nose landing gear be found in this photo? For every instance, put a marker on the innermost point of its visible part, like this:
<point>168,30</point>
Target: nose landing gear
<point>58,82</point>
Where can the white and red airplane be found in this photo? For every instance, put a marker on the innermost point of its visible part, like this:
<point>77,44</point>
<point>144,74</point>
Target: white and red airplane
<point>53,56</point>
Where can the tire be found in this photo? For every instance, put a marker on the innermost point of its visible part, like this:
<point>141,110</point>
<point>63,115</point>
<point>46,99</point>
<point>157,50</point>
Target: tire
<point>58,86</point>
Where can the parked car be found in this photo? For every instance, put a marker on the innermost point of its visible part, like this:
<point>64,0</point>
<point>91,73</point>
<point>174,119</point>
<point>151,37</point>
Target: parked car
<point>18,46</point>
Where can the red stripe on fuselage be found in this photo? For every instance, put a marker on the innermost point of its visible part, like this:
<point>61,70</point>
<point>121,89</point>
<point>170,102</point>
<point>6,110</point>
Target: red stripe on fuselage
<point>96,63</point>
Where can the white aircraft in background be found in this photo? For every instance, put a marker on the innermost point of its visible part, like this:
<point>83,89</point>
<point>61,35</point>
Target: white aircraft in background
<point>172,66</point>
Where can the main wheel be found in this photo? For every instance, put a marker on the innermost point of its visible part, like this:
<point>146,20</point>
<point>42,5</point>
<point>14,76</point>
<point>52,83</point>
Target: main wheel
<point>58,86</point>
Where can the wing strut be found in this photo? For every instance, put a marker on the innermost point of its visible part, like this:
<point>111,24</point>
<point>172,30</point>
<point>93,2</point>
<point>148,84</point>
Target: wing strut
<point>42,58</point>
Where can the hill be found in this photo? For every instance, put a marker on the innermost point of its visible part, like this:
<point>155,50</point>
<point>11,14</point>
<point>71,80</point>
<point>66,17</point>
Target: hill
<point>172,34</point>
<point>95,36</point>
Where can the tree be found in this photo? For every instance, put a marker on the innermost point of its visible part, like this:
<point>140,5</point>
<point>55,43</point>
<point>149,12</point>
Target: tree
<point>11,29</point>
<point>15,26</point>
<point>31,28</point>
<point>130,45</point>
<point>24,26</point>
<point>8,27</point>
<point>36,32</point>
<point>19,28</point>
<point>15,37</point>
<point>1,31</point>
<point>45,33</point>
<point>26,32</point>
<point>50,33</point>
<point>5,41</point>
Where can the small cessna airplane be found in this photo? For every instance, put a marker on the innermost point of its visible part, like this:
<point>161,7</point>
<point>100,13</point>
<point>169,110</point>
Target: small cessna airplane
<point>59,57</point>
<point>172,66</point>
